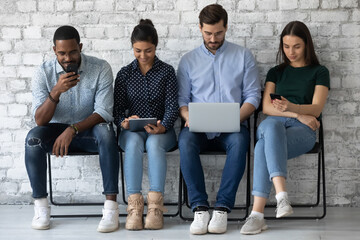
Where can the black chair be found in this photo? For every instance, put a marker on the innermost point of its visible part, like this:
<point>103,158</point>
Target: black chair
<point>56,203</point>
<point>319,150</point>
<point>183,197</point>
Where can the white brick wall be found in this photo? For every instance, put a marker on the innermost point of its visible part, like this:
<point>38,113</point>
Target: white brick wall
<point>26,31</point>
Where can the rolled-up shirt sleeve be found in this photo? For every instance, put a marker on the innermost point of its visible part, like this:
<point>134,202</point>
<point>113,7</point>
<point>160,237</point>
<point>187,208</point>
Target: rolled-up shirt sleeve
<point>184,84</point>
<point>39,89</point>
<point>251,92</point>
<point>104,100</point>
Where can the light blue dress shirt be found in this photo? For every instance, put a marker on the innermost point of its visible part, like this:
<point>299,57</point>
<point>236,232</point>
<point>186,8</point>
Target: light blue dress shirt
<point>231,75</point>
<point>93,94</point>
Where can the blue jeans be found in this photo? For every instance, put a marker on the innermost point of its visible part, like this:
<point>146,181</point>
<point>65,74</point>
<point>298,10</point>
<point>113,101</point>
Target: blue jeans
<point>278,139</point>
<point>156,146</point>
<point>190,146</point>
<point>100,138</point>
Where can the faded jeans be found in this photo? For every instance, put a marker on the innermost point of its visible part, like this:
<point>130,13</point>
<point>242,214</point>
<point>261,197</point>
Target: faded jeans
<point>100,138</point>
<point>156,145</point>
<point>278,139</point>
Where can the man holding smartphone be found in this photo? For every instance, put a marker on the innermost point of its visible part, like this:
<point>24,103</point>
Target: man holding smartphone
<point>72,108</point>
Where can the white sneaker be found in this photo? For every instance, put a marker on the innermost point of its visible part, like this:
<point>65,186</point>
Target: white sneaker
<point>283,208</point>
<point>200,223</point>
<point>110,219</point>
<point>253,225</point>
<point>218,223</point>
<point>41,219</point>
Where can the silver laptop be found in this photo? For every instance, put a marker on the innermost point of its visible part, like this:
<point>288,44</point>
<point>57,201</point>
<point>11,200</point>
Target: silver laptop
<point>214,117</point>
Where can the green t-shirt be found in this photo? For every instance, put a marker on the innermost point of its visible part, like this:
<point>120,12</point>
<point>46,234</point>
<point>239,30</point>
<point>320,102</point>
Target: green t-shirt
<point>298,84</point>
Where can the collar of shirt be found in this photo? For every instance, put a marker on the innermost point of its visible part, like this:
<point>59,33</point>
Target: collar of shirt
<point>155,66</point>
<point>220,50</point>
<point>59,69</point>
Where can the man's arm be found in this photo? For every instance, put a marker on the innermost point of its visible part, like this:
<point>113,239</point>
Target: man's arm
<point>103,108</point>
<point>251,92</point>
<point>246,110</point>
<point>184,114</point>
<point>45,112</point>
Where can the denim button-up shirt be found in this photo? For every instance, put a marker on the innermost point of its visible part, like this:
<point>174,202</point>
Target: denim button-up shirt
<point>93,94</point>
<point>231,75</point>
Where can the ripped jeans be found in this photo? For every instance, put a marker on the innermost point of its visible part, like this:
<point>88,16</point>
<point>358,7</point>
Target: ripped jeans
<point>100,138</point>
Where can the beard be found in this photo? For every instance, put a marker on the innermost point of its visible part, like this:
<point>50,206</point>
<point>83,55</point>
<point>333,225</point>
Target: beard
<point>213,46</point>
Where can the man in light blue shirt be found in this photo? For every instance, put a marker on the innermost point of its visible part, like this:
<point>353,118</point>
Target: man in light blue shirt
<point>217,71</point>
<point>73,112</point>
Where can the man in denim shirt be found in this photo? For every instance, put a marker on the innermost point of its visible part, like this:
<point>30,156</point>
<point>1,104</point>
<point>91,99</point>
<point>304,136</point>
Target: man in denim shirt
<point>73,112</point>
<point>217,71</point>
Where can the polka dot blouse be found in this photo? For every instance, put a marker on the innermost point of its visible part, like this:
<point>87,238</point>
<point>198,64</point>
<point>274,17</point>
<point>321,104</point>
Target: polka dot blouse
<point>150,95</point>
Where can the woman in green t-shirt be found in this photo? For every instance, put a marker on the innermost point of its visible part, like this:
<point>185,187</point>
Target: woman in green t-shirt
<point>289,129</point>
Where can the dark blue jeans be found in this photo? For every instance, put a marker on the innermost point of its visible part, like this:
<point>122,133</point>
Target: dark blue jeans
<point>190,146</point>
<point>100,138</point>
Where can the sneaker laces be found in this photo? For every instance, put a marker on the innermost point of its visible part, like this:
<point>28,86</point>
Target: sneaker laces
<point>250,220</point>
<point>134,207</point>
<point>220,216</point>
<point>199,217</point>
<point>283,203</point>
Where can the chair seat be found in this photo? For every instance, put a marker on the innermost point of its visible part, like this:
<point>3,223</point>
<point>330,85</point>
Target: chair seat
<point>316,148</point>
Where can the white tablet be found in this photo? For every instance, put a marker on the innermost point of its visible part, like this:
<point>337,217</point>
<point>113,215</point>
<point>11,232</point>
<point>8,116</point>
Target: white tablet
<point>138,124</point>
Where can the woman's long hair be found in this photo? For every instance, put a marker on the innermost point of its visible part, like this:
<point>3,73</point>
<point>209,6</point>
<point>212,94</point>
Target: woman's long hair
<point>299,29</point>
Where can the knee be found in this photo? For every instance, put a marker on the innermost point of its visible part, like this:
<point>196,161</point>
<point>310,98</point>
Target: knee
<point>132,140</point>
<point>34,137</point>
<point>270,125</point>
<point>104,133</point>
<point>186,139</point>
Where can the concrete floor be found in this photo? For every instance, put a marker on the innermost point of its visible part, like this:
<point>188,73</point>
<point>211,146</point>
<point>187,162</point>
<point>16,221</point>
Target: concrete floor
<point>340,223</point>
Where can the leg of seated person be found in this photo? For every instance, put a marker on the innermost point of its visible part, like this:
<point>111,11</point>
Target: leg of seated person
<point>190,146</point>
<point>156,146</point>
<point>133,143</point>
<point>236,146</point>
<point>38,143</point>
<point>103,137</point>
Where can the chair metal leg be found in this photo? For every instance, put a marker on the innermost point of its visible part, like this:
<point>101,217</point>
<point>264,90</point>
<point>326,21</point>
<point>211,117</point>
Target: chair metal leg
<point>53,202</point>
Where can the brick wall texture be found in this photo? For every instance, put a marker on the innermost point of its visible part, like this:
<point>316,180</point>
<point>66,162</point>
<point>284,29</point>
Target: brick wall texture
<point>26,30</point>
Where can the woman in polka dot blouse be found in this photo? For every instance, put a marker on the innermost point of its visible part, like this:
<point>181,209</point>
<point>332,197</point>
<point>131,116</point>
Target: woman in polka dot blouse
<point>146,88</point>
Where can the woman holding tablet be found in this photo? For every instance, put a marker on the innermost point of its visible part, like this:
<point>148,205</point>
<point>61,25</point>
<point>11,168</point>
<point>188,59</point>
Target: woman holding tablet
<point>290,128</point>
<point>146,88</point>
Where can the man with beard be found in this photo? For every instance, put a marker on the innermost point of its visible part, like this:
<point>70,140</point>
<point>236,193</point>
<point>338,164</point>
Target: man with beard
<point>73,112</point>
<point>217,71</point>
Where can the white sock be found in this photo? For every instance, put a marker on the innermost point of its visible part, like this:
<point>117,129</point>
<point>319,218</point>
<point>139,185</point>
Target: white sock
<point>109,204</point>
<point>257,214</point>
<point>281,195</point>
<point>41,202</point>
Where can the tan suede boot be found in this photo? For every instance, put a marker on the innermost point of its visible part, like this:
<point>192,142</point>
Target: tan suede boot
<point>154,218</point>
<point>135,209</point>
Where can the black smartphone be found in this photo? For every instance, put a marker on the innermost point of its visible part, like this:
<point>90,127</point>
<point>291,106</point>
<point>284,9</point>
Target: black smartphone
<point>275,96</point>
<point>72,68</point>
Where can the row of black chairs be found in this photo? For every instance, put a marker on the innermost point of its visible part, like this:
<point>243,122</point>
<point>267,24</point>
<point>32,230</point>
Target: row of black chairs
<point>182,190</point>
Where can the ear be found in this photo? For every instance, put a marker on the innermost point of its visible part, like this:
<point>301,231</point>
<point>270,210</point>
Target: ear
<point>200,27</point>
<point>54,48</point>
<point>226,27</point>
<point>80,46</point>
